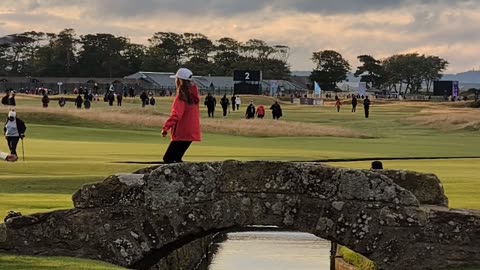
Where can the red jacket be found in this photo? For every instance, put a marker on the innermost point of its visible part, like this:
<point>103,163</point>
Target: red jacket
<point>184,120</point>
<point>261,110</point>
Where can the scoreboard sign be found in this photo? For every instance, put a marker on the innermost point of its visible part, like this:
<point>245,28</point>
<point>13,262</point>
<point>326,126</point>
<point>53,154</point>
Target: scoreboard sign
<point>247,75</point>
<point>247,89</point>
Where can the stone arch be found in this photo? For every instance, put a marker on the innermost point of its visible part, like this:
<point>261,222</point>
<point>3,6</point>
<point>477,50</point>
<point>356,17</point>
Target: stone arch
<point>132,220</point>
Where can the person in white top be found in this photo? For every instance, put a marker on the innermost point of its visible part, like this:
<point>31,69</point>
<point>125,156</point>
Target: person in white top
<point>238,101</point>
<point>14,130</point>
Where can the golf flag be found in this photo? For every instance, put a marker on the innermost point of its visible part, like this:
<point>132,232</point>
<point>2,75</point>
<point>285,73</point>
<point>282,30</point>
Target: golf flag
<point>318,90</point>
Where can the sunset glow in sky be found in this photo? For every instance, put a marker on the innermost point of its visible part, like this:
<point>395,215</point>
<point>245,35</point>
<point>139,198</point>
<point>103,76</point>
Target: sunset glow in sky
<point>448,28</point>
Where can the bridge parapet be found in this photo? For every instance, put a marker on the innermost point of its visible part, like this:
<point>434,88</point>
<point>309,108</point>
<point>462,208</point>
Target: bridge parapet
<point>134,220</point>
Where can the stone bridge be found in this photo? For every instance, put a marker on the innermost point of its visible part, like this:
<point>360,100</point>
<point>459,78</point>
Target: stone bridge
<point>400,220</point>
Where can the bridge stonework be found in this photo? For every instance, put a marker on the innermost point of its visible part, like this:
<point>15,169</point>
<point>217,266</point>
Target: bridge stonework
<point>134,220</point>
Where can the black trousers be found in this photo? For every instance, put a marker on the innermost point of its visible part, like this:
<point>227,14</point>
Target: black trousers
<point>175,151</point>
<point>211,112</point>
<point>367,112</point>
<point>354,108</point>
<point>12,144</point>
<point>225,109</point>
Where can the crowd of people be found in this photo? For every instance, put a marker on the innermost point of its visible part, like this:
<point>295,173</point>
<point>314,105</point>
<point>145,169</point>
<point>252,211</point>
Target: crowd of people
<point>366,104</point>
<point>233,104</point>
<point>183,123</point>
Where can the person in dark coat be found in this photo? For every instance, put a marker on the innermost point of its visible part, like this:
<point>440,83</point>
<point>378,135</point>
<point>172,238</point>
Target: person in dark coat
<point>144,99</point>
<point>111,98</point>
<point>11,100</point>
<point>87,104</point>
<point>62,102</point>
<point>366,107</point>
<point>119,100</point>
<point>276,111</point>
<point>225,104</point>
<point>354,104</point>
<point>14,130</point>
<point>45,101</point>
<point>234,103</point>
<point>250,113</point>
<point>79,102</point>
<point>5,99</point>
<point>211,103</point>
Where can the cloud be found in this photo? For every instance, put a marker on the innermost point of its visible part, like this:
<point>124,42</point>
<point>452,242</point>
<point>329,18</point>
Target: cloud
<point>351,27</point>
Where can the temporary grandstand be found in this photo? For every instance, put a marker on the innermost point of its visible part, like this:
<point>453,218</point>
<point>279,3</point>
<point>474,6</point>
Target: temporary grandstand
<point>24,84</point>
<point>217,85</point>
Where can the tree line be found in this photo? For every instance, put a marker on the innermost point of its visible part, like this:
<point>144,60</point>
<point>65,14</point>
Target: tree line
<point>106,55</point>
<point>403,73</point>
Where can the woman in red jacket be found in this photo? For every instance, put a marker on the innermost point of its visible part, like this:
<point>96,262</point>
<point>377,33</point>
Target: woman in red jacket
<point>184,120</point>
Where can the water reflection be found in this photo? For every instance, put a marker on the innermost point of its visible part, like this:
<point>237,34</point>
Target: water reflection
<point>271,251</point>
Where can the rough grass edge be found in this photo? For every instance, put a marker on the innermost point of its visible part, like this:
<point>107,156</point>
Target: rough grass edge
<point>355,259</point>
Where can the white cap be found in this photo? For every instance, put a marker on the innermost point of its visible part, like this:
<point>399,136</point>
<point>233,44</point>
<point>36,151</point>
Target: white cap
<point>184,74</point>
<point>12,114</point>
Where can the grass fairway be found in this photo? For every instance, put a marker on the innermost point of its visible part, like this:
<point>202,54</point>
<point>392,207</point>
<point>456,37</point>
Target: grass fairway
<point>66,149</point>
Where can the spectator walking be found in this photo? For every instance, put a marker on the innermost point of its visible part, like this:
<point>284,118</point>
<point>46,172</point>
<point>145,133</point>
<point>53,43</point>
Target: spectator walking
<point>234,102</point>
<point>184,120</point>
<point>5,99</point>
<point>45,101</point>
<point>338,104</point>
<point>250,113</point>
<point>144,99</point>
<point>366,107</point>
<point>119,100</point>
<point>87,104</point>
<point>11,99</point>
<point>14,130</point>
<point>62,102</point>
<point>354,104</point>
<point>276,111</point>
<point>225,103</point>
<point>111,97</point>
<point>79,102</point>
<point>238,102</point>
<point>211,103</point>
<point>152,101</point>
<point>260,112</point>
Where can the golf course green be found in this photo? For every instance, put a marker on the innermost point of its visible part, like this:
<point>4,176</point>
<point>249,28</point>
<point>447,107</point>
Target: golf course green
<point>66,148</point>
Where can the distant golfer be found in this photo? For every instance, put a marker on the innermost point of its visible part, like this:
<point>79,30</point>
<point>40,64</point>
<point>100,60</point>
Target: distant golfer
<point>184,120</point>
<point>14,130</point>
<point>366,107</point>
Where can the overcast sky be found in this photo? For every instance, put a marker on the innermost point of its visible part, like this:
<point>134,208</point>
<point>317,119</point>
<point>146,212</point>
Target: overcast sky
<point>448,28</point>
